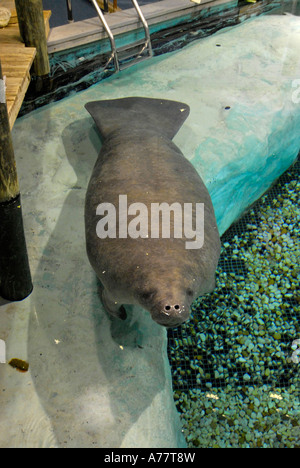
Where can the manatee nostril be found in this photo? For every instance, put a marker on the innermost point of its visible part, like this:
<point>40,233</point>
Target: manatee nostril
<point>176,307</point>
<point>172,315</point>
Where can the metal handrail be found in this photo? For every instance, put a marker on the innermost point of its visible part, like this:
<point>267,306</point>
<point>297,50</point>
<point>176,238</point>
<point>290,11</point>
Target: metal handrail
<point>145,24</point>
<point>70,12</point>
<point>109,33</point>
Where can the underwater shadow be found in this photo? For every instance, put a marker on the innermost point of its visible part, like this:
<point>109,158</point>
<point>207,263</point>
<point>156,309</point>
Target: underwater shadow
<point>91,385</point>
<point>4,301</point>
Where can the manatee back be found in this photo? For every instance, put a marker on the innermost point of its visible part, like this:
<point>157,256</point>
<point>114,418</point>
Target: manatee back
<point>139,159</point>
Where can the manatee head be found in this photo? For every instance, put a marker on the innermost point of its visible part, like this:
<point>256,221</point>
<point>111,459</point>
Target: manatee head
<point>167,308</point>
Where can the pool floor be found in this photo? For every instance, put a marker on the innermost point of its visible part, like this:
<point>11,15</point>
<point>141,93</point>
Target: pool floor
<point>93,382</point>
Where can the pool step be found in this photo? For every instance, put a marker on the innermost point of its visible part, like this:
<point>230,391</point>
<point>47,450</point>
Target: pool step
<point>131,53</point>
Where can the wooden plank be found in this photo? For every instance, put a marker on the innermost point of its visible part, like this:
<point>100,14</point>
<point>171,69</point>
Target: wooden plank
<point>17,71</point>
<point>112,6</point>
<point>22,59</point>
<point>9,48</point>
<point>10,4</point>
<point>16,66</point>
<point>16,60</point>
<point>10,34</point>
<point>13,109</point>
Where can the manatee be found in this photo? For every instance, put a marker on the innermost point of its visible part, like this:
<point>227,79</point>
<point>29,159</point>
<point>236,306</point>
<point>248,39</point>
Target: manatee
<point>139,164</point>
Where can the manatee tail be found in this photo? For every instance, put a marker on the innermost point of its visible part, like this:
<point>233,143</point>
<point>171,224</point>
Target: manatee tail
<point>165,116</point>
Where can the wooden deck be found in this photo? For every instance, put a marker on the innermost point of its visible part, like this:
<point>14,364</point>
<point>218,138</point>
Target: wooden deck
<point>16,61</point>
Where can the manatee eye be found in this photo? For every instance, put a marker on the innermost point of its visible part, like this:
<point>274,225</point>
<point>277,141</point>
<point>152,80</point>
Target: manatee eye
<point>189,292</point>
<point>147,295</point>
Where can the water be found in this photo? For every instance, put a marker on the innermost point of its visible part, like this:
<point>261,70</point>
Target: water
<point>95,383</point>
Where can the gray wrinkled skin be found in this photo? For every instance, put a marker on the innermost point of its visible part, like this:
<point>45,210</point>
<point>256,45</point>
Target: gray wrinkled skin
<point>139,159</point>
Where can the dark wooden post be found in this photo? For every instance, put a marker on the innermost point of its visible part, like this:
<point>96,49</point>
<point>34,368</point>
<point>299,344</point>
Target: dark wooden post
<point>15,278</point>
<point>32,30</point>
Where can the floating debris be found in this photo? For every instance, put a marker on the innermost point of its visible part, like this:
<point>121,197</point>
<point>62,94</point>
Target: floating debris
<point>21,366</point>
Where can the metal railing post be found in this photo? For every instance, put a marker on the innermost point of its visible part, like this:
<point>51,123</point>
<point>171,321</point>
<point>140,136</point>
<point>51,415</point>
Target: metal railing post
<point>70,12</point>
<point>109,33</point>
<point>145,24</point>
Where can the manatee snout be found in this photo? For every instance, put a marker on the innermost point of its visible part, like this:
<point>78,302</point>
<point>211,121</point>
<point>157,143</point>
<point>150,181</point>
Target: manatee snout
<point>170,313</point>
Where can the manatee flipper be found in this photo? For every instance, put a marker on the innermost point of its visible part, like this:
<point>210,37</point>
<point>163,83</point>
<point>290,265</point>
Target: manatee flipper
<point>112,307</point>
